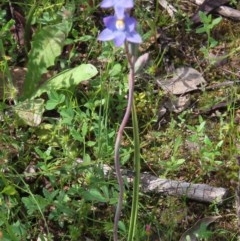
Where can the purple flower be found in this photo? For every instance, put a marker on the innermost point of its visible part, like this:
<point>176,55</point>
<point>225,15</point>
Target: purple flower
<point>120,30</point>
<point>119,6</point>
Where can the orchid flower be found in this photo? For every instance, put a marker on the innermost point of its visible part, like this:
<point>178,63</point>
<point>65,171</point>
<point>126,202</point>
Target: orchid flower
<point>119,6</point>
<point>120,30</point>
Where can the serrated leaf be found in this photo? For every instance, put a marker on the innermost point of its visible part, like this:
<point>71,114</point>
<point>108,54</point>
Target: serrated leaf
<point>76,135</point>
<point>54,100</point>
<point>68,78</point>
<point>47,44</point>
<point>50,195</point>
<point>34,204</point>
<point>67,116</point>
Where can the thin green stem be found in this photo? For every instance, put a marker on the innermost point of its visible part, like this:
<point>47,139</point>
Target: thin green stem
<point>118,144</point>
<point>136,181</point>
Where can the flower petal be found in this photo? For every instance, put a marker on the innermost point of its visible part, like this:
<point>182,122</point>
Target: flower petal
<point>134,37</point>
<point>119,12</point>
<point>130,23</point>
<point>110,22</point>
<point>106,35</point>
<point>124,3</point>
<point>107,3</point>
<point>119,38</point>
<point>117,3</point>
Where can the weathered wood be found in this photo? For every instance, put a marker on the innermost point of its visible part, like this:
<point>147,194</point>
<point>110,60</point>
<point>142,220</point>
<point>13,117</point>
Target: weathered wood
<point>198,192</point>
<point>208,6</point>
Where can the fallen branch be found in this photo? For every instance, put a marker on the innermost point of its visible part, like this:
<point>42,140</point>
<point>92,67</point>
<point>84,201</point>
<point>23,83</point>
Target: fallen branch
<point>153,184</point>
<point>216,6</point>
<point>198,192</point>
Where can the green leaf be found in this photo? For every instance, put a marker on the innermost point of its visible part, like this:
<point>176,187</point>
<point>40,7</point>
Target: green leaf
<point>216,21</point>
<point>94,195</point>
<point>9,190</point>
<point>50,195</point>
<point>91,143</point>
<point>68,78</point>
<point>116,70</point>
<point>67,116</point>
<point>76,135</point>
<point>84,129</point>
<point>201,30</point>
<point>204,18</point>
<point>213,42</point>
<point>86,38</point>
<point>47,44</point>
<point>30,111</point>
<point>54,100</point>
<point>122,226</point>
<point>35,203</point>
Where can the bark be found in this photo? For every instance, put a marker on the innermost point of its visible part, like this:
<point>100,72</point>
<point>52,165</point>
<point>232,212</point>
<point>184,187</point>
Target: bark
<point>194,191</point>
<point>198,192</point>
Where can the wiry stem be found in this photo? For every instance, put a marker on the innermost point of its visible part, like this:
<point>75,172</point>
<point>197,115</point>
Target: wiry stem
<point>135,197</point>
<point>118,143</point>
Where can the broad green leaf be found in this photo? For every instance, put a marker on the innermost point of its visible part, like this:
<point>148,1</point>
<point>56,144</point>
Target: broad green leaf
<point>67,78</point>
<point>30,111</point>
<point>47,44</point>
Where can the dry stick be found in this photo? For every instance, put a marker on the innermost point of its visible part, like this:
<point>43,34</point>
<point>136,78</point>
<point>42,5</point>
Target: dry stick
<point>118,143</point>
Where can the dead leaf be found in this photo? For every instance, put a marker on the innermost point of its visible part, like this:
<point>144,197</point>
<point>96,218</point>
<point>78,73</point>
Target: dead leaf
<point>178,104</point>
<point>30,111</point>
<point>184,80</point>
